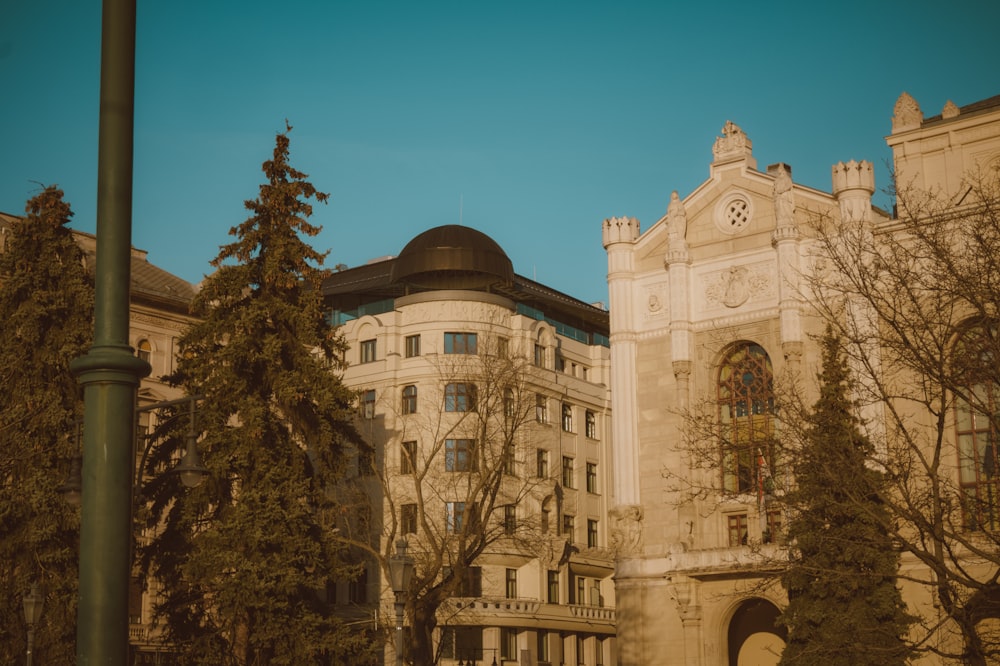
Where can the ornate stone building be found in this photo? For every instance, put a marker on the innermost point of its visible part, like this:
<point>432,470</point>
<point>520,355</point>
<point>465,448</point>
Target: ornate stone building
<point>709,311</point>
<point>159,306</point>
<point>428,331</point>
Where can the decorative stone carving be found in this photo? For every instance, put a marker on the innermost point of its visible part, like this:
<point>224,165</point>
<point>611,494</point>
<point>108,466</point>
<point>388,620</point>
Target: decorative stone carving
<point>626,535</point>
<point>676,220</point>
<point>784,198</point>
<point>734,286</point>
<point>657,304</point>
<point>950,110</point>
<point>733,143</point>
<point>733,212</point>
<point>684,593</point>
<point>906,114</point>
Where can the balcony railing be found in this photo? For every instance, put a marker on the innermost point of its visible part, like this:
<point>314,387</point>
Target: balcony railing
<point>514,612</point>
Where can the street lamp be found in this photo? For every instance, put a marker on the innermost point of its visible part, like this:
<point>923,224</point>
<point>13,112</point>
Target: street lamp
<point>400,573</point>
<point>32,612</point>
<point>189,469</point>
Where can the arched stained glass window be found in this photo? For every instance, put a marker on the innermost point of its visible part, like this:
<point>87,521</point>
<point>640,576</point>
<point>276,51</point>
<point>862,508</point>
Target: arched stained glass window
<point>976,431</point>
<point>746,414</point>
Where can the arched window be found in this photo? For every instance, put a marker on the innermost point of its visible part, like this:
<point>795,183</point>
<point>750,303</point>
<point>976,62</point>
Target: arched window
<point>410,399</point>
<point>976,431</point>
<point>143,350</point>
<point>746,414</point>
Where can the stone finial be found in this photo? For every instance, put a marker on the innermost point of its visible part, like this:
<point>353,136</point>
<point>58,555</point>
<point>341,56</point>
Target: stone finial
<point>906,114</point>
<point>733,144</point>
<point>853,186</point>
<point>620,230</point>
<point>950,110</point>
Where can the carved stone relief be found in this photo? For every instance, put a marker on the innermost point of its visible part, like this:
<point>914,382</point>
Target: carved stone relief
<point>657,302</point>
<point>626,534</point>
<point>732,287</point>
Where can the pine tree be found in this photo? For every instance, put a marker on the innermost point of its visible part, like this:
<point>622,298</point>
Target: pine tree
<point>245,558</point>
<point>844,606</point>
<point>46,314</point>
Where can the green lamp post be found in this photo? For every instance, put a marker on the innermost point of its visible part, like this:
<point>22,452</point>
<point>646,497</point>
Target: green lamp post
<point>109,372</point>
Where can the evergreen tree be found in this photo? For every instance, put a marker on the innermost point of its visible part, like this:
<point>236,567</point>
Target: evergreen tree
<point>844,606</point>
<point>245,558</point>
<point>46,311</point>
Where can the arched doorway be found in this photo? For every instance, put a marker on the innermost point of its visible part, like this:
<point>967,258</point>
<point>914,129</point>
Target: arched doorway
<point>753,639</point>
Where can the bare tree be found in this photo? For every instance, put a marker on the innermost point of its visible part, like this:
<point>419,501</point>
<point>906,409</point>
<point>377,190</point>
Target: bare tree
<point>915,300</point>
<point>456,477</point>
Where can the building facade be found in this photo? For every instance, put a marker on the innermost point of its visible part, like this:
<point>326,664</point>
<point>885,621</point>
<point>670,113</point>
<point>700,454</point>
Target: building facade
<point>467,372</point>
<point>711,315</point>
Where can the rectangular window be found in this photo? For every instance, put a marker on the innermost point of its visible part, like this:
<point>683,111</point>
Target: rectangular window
<point>542,645</point>
<point>553,587</point>
<point>592,534</point>
<point>454,517</point>
<point>368,404</point>
<point>775,530</point>
<point>408,519</point>
<point>368,351</point>
<point>560,363</point>
<point>366,461</point>
<point>541,408</point>
<point>581,591</point>
<point>542,464</point>
<point>412,346</point>
<point>135,600</point>
<point>567,417</point>
<point>540,356</point>
<point>508,644</point>
<point>471,584</point>
<point>509,519</point>
<point>357,588</point>
<point>459,397</point>
<point>511,583</point>
<point>509,463</point>
<point>459,455</point>
<point>737,528</point>
<point>591,425</point>
<point>503,347</point>
<point>407,457</point>
<point>568,526</point>
<point>567,472</point>
<point>592,478</point>
<point>460,343</point>
<point>410,399</point>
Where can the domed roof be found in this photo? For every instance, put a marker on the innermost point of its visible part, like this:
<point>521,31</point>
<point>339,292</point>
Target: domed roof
<point>452,257</point>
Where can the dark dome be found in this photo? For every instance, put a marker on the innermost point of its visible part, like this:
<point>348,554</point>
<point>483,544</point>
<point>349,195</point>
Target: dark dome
<point>452,257</point>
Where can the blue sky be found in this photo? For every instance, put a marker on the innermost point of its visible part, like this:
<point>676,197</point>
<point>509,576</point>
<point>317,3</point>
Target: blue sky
<point>530,121</point>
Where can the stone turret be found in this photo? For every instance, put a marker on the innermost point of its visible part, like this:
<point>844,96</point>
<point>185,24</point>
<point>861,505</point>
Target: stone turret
<point>853,186</point>
<point>620,230</point>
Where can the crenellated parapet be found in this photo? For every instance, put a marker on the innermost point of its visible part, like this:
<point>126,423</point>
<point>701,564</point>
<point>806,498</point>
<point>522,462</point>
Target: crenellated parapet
<point>620,230</point>
<point>853,176</point>
<point>853,186</point>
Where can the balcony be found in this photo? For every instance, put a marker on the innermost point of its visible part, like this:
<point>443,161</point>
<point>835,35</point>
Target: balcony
<point>502,612</point>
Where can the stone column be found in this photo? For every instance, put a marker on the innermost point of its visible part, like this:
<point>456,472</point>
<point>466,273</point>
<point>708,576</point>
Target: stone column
<point>619,236</point>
